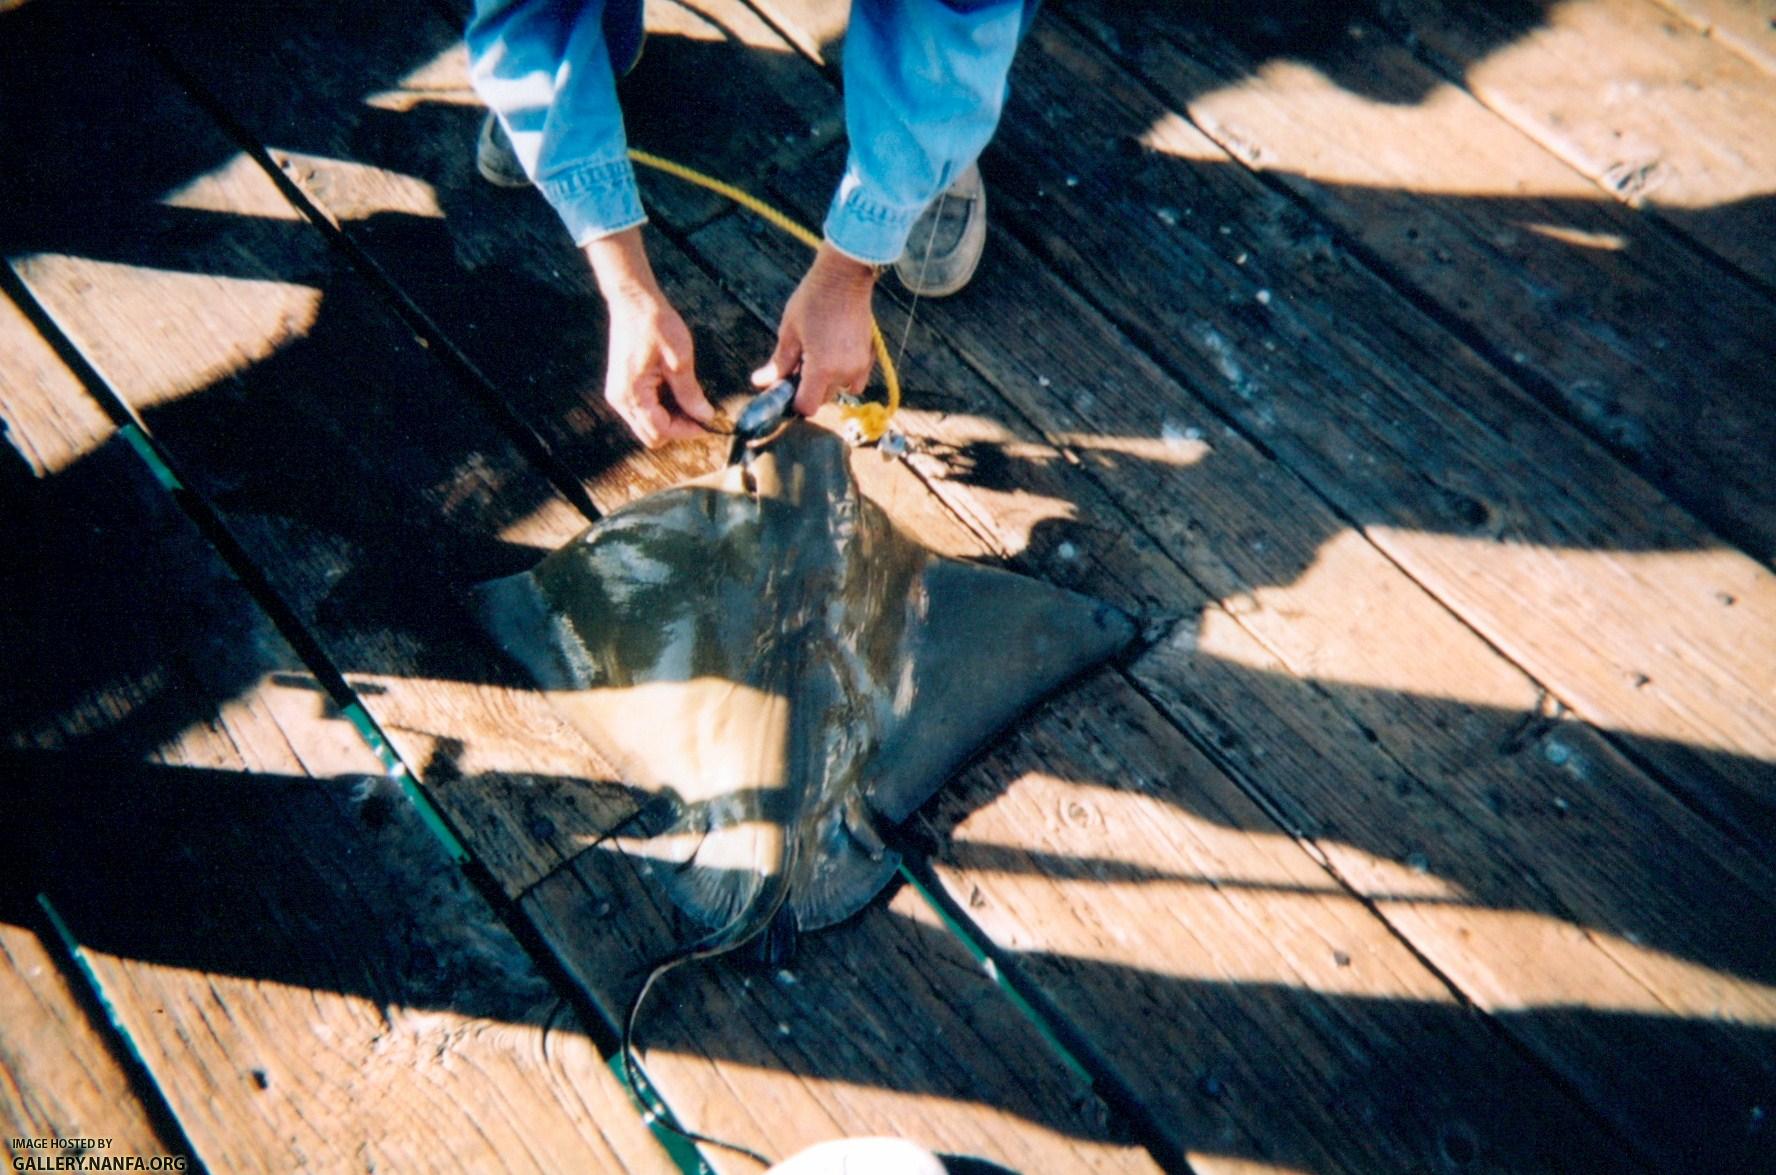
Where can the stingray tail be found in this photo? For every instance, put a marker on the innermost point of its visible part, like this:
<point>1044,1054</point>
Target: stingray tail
<point>747,925</point>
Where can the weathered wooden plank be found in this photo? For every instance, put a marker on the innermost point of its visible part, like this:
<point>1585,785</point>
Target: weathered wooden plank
<point>1470,745</point>
<point>49,424</point>
<point>1375,778</point>
<point>303,971</point>
<point>1749,26</point>
<point>1650,108</point>
<point>882,1026</point>
<point>1267,1013</point>
<point>190,268</point>
<point>1533,535</point>
<point>428,482</point>
<point>382,143</point>
<point>58,1076</point>
<point>1660,355</point>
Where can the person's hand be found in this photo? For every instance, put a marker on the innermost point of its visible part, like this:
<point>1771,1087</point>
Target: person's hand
<point>650,373</point>
<point>650,354</point>
<point>825,332</point>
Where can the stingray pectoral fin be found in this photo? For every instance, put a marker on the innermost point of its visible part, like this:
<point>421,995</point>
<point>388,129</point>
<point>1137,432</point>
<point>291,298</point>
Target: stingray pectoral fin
<point>724,873</point>
<point>846,865</point>
<point>840,880</point>
<point>514,612</point>
<point>993,644</point>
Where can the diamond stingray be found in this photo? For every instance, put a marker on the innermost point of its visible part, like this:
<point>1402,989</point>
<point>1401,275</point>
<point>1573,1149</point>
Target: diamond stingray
<point>779,666</point>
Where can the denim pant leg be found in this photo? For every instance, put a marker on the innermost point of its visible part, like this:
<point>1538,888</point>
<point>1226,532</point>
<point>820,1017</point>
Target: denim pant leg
<point>544,67</point>
<point>925,82</point>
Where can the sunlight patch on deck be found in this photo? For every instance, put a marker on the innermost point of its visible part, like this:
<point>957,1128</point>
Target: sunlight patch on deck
<point>1291,117</point>
<point>1603,242</point>
<point>1669,118</point>
<point>532,742</point>
<point>669,18</point>
<point>1680,681</point>
<point>1147,884</point>
<point>374,189</point>
<point>236,188</point>
<point>1131,880</point>
<point>1519,960</point>
<point>265,1071</point>
<point>1179,446</point>
<point>1351,621</point>
<point>1213,1164</point>
<point>1701,670</point>
<point>443,80</point>
<point>245,320</point>
<point>980,451</point>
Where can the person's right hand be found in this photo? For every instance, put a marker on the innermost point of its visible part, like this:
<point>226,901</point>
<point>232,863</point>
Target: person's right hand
<point>650,373</point>
<point>826,334</point>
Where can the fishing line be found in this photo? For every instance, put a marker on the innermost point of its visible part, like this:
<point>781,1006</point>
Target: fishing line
<point>870,419</point>
<point>906,331</point>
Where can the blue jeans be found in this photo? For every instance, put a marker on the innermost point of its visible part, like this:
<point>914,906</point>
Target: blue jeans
<point>925,81</point>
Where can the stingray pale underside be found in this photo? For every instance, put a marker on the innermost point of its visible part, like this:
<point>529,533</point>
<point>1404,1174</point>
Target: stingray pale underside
<point>764,649</point>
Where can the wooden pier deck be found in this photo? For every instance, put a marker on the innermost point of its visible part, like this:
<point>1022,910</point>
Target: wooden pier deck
<point>1408,366</point>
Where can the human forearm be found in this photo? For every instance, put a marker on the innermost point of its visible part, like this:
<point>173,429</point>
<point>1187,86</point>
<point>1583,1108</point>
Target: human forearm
<point>650,372</point>
<point>620,266</point>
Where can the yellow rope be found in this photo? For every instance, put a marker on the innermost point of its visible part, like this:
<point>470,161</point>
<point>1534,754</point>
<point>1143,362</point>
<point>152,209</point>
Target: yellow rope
<point>870,419</point>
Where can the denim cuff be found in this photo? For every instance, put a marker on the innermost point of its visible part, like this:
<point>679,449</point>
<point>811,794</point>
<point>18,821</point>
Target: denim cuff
<point>595,199</point>
<point>866,229</point>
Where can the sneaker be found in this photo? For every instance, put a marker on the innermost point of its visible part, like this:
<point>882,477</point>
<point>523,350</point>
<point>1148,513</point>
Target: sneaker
<point>495,159</point>
<point>946,242</point>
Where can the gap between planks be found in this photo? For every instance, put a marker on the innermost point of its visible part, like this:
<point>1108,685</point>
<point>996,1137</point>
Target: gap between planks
<point>176,423</point>
<point>1544,732</point>
<point>218,699</point>
<point>1589,305</point>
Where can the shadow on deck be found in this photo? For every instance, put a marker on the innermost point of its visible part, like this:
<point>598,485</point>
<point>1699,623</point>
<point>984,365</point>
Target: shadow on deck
<point>368,482</point>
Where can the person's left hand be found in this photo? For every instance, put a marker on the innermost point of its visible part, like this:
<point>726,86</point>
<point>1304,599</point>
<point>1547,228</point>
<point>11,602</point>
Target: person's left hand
<point>825,332</point>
